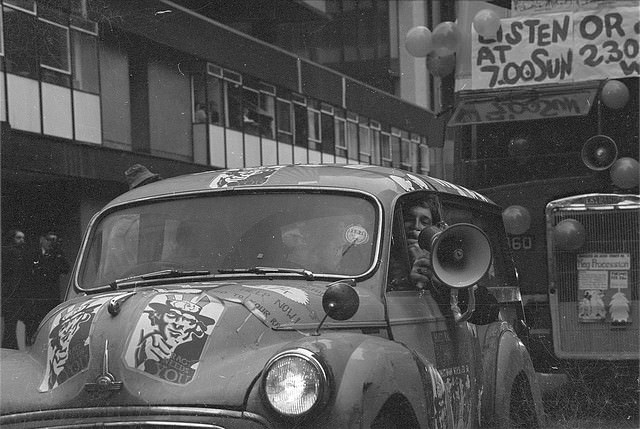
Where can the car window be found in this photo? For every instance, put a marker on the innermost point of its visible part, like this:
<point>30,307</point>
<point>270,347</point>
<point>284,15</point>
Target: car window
<point>325,233</point>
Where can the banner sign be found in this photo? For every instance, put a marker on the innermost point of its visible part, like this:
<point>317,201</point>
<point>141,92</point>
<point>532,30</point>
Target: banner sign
<point>562,47</point>
<point>541,106</point>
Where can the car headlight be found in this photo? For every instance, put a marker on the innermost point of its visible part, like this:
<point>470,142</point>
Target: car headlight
<point>295,382</point>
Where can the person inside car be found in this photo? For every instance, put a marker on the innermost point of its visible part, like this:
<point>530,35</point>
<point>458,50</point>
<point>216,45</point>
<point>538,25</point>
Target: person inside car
<point>418,215</point>
<point>416,218</point>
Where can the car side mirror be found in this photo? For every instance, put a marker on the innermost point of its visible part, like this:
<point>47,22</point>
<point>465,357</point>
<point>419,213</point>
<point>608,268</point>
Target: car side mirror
<point>340,302</point>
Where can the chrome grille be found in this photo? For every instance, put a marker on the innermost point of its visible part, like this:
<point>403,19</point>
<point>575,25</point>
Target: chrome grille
<point>152,417</point>
<point>612,228</point>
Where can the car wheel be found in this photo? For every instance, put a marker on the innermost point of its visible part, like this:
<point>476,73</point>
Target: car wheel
<point>522,412</point>
<point>395,414</point>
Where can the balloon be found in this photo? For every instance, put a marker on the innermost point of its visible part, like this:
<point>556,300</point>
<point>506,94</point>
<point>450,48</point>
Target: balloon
<point>517,220</point>
<point>624,173</point>
<point>446,35</point>
<point>486,22</point>
<point>569,234</point>
<point>418,41</point>
<point>441,62</point>
<point>615,94</point>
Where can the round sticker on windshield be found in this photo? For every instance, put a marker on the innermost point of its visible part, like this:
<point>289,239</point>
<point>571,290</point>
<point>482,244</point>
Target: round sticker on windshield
<point>356,234</point>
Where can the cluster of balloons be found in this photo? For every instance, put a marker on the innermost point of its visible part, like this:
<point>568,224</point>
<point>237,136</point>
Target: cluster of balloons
<point>439,46</point>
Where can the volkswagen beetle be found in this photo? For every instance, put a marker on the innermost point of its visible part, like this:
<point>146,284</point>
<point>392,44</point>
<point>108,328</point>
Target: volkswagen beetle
<point>281,296</point>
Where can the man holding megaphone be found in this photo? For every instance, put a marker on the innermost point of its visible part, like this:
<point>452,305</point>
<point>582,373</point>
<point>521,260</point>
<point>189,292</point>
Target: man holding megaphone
<point>417,216</point>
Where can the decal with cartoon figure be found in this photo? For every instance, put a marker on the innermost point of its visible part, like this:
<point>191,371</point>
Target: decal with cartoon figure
<point>68,342</point>
<point>454,367</point>
<point>169,338</point>
<point>244,177</point>
<point>279,305</point>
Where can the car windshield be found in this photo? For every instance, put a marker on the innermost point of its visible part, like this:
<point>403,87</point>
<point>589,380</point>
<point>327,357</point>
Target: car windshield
<point>320,232</point>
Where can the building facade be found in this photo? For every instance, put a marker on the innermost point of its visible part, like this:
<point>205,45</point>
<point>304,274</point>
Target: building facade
<point>89,88</point>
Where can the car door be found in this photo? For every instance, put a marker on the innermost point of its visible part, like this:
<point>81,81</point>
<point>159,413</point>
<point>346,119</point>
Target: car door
<point>422,320</point>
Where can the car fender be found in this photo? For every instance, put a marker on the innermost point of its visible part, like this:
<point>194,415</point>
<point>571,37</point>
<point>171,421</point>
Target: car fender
<point>505,361</point>
<point>367,372</point>
<point>19,379</point>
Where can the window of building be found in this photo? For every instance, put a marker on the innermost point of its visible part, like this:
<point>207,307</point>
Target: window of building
<point>215,107</point>
<point>54,53</point>
<point>328,133</point>
<point>20,42</point>
<point>233,97</point>
<point>250,115</point>
<point>78,7</point>
<point>385,149</point>
<point>375,142</point>
<point>406,152</point>
<point>425,161</point>
<point>415,153</point>
<point>340,134</point>
<point>85,62</point>
<point>267,110</point>
<point>199,96</point>
<point>208,96</point>
<point>300,130</point>
<point>284,119</point>
<point>365,144</point>
<point>1,38</point>
<point>315,132</point>
<point>25,5</point>
<point>395,148</point>
<point>352,136</point>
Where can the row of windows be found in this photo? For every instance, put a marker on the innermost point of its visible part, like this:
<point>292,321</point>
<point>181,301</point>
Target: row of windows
<point>227,99</point>
<point>50,45</point>
<point>59,46</point>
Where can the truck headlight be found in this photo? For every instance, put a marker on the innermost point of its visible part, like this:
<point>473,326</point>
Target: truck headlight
<point>295,382</point>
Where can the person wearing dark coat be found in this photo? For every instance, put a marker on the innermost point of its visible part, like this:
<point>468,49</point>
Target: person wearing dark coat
<point>48,263</point>
<point>15,269</point>
<point>138,175</point>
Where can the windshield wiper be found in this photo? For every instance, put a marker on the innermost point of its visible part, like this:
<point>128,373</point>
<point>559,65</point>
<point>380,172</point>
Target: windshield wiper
<point>162,274</point>
<point>268,270</point>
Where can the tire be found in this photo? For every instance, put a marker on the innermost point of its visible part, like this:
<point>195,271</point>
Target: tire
<point>395,414</point>
<point>522,411</point>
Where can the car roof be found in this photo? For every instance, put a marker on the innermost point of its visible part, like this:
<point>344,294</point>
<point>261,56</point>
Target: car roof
<point>382,182</point>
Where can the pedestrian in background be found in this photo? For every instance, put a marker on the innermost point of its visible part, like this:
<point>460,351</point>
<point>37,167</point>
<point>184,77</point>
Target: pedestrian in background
<point>15,270</point>
<point>138,175</point>
<point>48,263</point>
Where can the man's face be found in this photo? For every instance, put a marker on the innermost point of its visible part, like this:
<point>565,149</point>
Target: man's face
<point>18,239</point>
<point>415,220</point>
<point>179,326</point>
<point>47,241</point>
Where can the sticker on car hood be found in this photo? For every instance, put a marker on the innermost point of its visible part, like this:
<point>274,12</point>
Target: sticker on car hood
<point>168,339</point>
<point>243,177</point>
<point>68,343</point>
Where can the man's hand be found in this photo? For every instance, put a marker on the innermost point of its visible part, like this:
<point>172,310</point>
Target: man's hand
<point>421,272</point>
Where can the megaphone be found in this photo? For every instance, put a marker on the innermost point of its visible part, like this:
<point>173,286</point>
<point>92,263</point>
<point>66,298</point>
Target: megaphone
<point>599,152</point>
<point>460,254</point>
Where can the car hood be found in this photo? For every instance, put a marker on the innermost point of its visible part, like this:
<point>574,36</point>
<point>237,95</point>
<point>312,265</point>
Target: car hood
<point>196,343</point>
